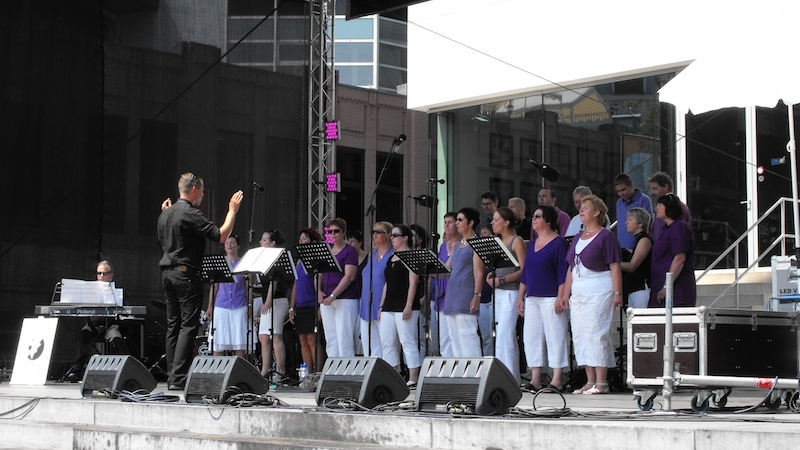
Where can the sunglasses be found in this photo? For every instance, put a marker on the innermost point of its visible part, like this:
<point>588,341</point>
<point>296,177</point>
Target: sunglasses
<point>537,216</point>
<point>394,235</point>
<point>333,231</point>
<point>460,219</point>
<point>378,231</point>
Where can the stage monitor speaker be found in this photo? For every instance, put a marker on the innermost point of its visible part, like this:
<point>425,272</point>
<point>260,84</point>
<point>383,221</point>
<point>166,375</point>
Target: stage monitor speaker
<point>210,376</point>
<point>482,385</point>
<point>368,381</point>
<point>115,372</point>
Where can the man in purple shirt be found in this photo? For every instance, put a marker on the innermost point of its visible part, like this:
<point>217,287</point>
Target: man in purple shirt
<point>629,197</point>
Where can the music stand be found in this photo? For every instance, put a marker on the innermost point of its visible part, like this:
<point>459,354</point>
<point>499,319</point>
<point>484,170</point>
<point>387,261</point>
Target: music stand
<point>259,260</point>
<point>495,255</point>
<point>215,269</point>
<point>317,258</point>
<point>425,263</point>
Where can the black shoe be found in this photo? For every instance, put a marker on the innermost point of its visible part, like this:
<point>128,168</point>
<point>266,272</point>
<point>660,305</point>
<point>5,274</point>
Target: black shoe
<point>531,388</point>
<point>73,377</point>
<point>176,387</point>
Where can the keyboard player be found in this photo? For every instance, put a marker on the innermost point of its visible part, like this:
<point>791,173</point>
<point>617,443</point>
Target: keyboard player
<point>108,327</point>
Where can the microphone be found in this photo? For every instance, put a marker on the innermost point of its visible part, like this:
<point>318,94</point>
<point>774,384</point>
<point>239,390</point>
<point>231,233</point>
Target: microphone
<point>426,200</point>
<point>548,173</point>
<point>436,180</point>
<point>260,188</point>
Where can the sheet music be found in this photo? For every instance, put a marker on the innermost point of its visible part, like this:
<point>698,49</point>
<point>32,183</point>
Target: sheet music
<point>259,260</point>
<point>90,292</point>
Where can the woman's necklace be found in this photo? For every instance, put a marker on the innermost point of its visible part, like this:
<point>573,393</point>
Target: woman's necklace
<point>465,239</point>
<point>588,233</point>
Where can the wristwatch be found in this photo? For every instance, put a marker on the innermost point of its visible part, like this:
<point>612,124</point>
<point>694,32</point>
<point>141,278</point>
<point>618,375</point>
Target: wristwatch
<point>333,297</point>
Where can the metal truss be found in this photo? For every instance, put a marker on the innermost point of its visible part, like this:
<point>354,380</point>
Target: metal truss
<point>321,108</point>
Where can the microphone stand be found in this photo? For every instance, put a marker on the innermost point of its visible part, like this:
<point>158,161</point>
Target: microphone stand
<point>249,345</point>
<point>371,213</point>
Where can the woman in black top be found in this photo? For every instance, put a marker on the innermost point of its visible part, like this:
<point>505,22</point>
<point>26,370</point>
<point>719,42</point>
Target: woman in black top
<point>636,266</point>
<point>400,308</point>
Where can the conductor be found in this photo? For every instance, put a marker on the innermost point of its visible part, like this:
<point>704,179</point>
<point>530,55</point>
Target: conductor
<point>182,230</point>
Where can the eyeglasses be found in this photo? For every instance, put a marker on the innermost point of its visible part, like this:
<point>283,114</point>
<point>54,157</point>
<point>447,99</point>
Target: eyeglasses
<point>103,273</point>
<point>537,216</point>
<point>378,231</point>
<point>394,235</point>
<point>333,231</point>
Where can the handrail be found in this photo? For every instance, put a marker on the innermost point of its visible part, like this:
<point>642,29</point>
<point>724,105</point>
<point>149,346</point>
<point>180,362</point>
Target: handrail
<point>781,238</point>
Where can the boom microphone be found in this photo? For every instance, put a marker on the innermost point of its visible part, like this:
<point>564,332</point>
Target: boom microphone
<point>260,188</point>
<point>436,180</point>
<point>547,172</point>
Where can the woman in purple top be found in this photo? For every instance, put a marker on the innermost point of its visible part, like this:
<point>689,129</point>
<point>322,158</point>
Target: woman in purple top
<point>464,289</point>
<point>673,252</point>
<point>592,289</point>
<point>303,305</point>
<point>228,309</point>
<point>338,295</point>
<point>541,284</point>
<point>440,335</point>
<point>373,279</point>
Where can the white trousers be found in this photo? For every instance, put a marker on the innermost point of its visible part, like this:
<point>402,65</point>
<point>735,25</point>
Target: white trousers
<point>507,346</point>
<point>485,325</point>
<point>398,333</point>
<point>440,334</point>
<point>464,335</point>
<point>544,326</point>
<point>375,340</point>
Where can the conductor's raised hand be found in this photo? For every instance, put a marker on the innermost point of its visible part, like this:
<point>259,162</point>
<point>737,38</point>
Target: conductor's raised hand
<point>236,201</point>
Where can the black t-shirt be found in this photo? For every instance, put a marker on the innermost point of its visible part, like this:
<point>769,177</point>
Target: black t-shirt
<point>397,288</point>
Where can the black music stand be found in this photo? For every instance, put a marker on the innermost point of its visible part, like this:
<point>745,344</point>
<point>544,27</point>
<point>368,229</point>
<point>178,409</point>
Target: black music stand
<point>215,269</point>
<point>282,269</point>
<point>425,263</point>
<point>317,258</point>
<point>495,255</point>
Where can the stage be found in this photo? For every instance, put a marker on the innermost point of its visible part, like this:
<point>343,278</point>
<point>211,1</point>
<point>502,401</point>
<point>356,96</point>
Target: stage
<point>55,416</point>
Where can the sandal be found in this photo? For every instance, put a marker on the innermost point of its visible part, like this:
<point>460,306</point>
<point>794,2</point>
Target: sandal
<point>583,389</point>
<point>553,387</point>
<point>598,388</point>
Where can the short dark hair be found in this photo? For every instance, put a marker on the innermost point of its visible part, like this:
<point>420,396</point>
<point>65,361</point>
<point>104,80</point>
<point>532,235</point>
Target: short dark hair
<point>662,179</point>
<point>623,178</point>
<point>405,231</point>
<point>673,207</point>
<point>490,195</point>
<point>472,215</point>
<point>549,215</point>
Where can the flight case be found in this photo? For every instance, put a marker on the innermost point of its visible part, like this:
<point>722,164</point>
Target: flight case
<point>709,341</point>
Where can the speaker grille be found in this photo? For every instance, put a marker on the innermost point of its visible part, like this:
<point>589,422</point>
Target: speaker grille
<point>482,384</point>
<point>117,373</point>
<point>210,376</point>
<point>368,381</point>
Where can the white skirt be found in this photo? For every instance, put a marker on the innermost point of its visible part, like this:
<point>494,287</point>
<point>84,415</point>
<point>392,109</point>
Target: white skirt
<point>229,329</point>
